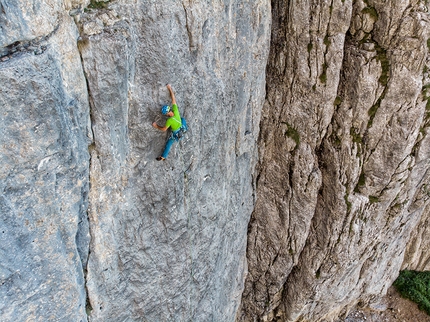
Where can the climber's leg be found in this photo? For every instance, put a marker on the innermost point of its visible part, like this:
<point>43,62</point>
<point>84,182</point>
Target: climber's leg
<point>168,146</point>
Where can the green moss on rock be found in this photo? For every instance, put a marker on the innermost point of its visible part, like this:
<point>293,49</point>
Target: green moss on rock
<point>373,199</point>
<point>371,11</point>
<point>94,4</point>
<point>323,76</point>
<point>337,101</point>
<point>292,133</point>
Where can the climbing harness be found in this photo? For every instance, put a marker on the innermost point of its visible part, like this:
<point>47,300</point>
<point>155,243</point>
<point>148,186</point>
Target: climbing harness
<point>178,134</point>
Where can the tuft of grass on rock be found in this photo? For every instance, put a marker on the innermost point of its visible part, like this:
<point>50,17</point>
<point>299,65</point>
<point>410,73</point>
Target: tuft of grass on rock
<point>292,133</point>
<point>323,76</point>
<point>337,101</point>
<point>94,4</point>
<point>355,135</point>
<point>371,11</point>
<point>373,199</point>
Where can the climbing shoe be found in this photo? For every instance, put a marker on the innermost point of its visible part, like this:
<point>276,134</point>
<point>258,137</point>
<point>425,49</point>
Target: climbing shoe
<point>160,158</point>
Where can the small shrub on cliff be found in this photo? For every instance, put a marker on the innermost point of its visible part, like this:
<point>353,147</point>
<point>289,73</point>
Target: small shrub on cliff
<point>101,4</point>
<point>415,286</point>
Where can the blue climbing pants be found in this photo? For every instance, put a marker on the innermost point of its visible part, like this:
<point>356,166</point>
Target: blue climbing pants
<point>169,143</point>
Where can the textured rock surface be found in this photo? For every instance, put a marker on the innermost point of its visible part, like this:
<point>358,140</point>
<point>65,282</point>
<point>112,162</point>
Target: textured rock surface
<point>390,308</point>
<point>344,156</point>
<point>417,255</point>
<point>44,172</point>
<point>93,228</point>
<point>169,238</point>
<point>27,20</point>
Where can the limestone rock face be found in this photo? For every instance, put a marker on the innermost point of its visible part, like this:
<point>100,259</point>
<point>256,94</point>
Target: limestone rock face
<point>300,189</point>
<point>44,171</point>
<point>344,158</point>
<point>25,20</point>
<point>417,256</point>
<point>22,21</point>
<point>169,238</point>
<point>418,249</point>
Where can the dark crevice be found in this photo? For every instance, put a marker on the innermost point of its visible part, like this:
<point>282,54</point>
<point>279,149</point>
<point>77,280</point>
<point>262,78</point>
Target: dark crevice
<point>35,46</point>
<point>189,32</point>
<point>81,43</point>
<point>327,43</point>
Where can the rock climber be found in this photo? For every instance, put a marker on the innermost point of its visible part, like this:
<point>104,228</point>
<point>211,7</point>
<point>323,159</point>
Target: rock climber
<point>174,122</point>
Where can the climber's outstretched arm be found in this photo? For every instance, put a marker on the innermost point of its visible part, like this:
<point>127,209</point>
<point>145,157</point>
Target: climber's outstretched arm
<point>172,95</point>
<point>162,128</point>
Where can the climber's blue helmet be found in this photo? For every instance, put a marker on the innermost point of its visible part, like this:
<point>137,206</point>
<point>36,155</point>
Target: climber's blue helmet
<point>165,109</point>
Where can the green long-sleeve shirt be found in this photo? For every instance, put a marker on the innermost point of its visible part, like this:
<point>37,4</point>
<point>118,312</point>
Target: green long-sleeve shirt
<point>174,122</point>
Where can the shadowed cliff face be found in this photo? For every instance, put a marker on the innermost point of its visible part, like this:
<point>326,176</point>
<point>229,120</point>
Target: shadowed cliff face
<point>329,153</point>
<point>343,171</point>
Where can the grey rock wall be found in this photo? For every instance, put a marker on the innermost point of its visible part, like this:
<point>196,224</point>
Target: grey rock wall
<point>27,20</point>
<point>93,228</point>
<point>417,255</point>
<point>169,238</point>
<point>44,171</point>
<point>343,170</point>
<point>417,251</point>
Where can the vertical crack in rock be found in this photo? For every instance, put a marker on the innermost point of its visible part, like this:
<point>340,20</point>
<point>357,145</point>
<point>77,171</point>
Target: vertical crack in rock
<point>91,148</point>
<point>187,25</point>
<point>82,43</point>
